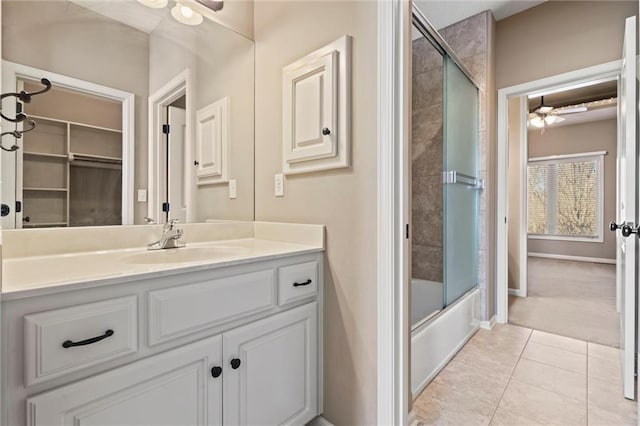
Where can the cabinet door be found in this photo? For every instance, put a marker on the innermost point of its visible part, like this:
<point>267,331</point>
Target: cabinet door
<point>173,388</point>
<point>274,373</point>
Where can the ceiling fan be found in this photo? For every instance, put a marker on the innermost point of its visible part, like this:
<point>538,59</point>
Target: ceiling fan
<point>546,115</point>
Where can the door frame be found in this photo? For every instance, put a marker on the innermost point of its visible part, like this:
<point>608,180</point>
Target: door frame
<point>178,86</point>
<point>539,87</point>
<point>12,71</point>
<point>393,209</point>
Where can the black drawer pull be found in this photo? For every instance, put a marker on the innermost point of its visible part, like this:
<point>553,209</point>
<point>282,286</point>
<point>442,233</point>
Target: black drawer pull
<point>235,363</point>
<point>307,282</point>
<point>69,343</point>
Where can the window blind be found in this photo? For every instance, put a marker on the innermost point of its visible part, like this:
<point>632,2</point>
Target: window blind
<point>563,197</point>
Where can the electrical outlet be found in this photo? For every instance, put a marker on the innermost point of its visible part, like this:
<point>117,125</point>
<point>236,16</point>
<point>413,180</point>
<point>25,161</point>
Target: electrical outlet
<point>233,192</point>
<point>279,185</point>
<point>142,195</point>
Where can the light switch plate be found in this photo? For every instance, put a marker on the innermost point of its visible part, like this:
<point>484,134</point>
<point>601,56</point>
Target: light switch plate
<point>233,192</point>
<point>142,195</point>
<point>279,185</point>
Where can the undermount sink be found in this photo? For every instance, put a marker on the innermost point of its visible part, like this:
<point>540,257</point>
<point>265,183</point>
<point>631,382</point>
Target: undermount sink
<point>182,255</point>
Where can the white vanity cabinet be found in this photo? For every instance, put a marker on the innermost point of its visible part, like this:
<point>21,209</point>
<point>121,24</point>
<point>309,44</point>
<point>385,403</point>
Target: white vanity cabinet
<point>235,345</point>
<point>173,388</point>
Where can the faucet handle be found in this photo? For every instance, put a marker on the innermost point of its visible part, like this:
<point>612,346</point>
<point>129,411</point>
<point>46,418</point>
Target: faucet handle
<point>170,224</point>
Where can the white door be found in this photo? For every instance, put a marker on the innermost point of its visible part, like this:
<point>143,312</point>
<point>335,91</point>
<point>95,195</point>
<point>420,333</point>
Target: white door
<point>273,375</point>
<point>177,387</point>
<point>177,164</point>
<point>627,211</point>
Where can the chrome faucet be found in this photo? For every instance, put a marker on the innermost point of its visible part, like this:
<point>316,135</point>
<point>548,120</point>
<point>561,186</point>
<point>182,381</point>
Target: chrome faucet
<point>171,237</point>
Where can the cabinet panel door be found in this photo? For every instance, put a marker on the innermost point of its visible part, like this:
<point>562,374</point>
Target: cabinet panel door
<point>173,388</point>
<point>276,379</point>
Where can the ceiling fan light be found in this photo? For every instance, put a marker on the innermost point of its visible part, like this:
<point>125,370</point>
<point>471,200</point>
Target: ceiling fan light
<point>550,119</point>
<point>186,15</point>
<point>537,122</point>
<point>544,109</point>
<point>154,4</point>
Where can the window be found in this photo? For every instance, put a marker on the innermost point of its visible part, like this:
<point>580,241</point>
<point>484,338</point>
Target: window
<point>564,197</point>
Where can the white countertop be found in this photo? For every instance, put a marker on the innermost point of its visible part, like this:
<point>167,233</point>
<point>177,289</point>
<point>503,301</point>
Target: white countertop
<point>39,275</point>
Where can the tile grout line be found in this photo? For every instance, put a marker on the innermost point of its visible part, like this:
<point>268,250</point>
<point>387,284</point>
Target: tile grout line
<point>586,420</point>
<point>511,376</point>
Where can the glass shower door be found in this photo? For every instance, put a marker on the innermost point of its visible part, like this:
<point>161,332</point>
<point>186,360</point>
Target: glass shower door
<point>461,184</point>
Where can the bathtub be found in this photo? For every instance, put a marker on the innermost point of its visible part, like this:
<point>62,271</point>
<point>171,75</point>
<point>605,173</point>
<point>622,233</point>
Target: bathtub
<point>437,337</point>
<point>426,300</point>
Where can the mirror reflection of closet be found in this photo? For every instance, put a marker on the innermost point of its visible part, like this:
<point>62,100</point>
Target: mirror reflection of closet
<point>70,171</point>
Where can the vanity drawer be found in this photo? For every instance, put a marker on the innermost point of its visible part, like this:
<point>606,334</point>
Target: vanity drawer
<point>60,341</point>
<point>296,282</point>
<point>179,311</point>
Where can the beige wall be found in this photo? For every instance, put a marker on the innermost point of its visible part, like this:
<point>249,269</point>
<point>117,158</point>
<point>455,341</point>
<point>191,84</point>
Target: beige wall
<point>344,200</point>
<point>559,36</point>
<point>586,137</point>
<point>222,65</point>
<point>37,33</point>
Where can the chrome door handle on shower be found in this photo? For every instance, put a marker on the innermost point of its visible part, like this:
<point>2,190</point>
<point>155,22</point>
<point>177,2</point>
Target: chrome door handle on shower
<point>455,176</point>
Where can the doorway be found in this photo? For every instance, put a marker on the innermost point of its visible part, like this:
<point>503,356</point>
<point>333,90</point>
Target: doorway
<point>626,188</point>
<point>562,173</point>
<point>171,151</point>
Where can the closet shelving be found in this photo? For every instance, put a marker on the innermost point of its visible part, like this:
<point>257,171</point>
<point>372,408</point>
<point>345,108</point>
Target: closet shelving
<point>52,156</point>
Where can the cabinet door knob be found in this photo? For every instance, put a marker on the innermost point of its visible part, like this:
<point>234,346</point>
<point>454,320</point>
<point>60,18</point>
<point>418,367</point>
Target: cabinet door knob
<point>326,131</point>
<point>216,372</point>
<point>235,363</point>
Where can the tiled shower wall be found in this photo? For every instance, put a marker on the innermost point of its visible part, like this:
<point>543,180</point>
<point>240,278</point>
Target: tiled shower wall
<point>426,150</point>
<point>472,40</point>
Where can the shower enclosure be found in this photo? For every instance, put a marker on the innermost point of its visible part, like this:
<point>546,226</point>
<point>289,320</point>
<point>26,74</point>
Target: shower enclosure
<point>445,202</point>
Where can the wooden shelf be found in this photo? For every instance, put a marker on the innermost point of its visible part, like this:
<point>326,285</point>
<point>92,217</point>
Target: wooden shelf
<point>88,126</point>
<point>44,154</point>
<point>43,224</point>
<point>46,189</point>
<point>97,157</point>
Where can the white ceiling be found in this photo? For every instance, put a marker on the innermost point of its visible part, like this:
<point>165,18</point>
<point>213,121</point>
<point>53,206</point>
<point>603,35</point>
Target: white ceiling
<point>133,14</point>
<point>442,13</point>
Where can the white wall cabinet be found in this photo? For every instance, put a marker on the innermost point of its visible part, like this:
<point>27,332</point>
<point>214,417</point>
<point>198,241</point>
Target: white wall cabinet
<point>212,347</point>
<point>212,142</point>
<point>316,103</point>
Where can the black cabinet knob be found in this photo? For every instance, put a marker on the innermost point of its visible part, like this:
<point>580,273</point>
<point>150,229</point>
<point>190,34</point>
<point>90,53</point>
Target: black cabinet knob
<point>5,210</point>
<point>216,372</point>
<point>235,363</point>
<point>326,131</point>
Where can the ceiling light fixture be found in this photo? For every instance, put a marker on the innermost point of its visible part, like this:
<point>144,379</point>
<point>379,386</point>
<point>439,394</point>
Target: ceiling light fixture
<point>154,4</point>
<point>186,15</point>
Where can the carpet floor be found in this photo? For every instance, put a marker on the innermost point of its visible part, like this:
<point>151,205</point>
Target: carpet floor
<point>573,299</point>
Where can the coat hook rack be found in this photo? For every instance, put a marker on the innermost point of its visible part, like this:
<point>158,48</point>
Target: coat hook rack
<point>16,134</point>
<point>24,97</point>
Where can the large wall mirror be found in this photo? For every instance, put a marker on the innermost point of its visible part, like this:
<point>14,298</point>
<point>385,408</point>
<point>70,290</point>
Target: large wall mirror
<point>150,115</point>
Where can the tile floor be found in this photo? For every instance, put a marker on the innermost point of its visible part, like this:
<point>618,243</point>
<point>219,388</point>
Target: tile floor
<point>516,376</point>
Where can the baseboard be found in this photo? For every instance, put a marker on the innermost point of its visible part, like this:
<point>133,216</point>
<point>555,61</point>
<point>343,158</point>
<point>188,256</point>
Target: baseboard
<point>488,325</point>
<point>319,421</point>
<point>517,292</point>
<point>576,258</point>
